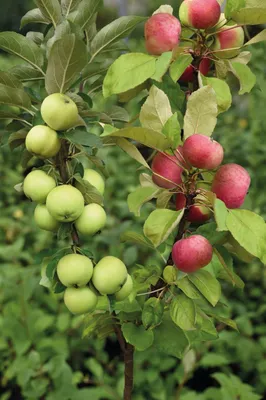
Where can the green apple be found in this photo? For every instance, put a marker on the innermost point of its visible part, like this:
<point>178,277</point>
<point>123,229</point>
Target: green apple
<point>126,289</point>
<point>80,300</point>
<point>94,178</point>
<point>43,141</point>
<point>59,112</point>
<point>92,219</point>
<point>109,275</point>
<point>44,219</point>
<point>37,185</point>
<point>65,203</point>
<point>74,269</point>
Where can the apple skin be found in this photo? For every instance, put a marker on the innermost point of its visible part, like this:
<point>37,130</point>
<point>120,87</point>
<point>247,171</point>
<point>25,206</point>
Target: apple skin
<point>37,185</point>
<point>74,269</point>
<point>94,178</point>
<point>169,168</point>
<point>80,300</point>
<point>92,219</point>
<point>59,112</point>
<point>230,184</point>
<point>44,219</point>
<point>198,214</point>
<point>192,253</point>
<point>162,32</point>
<point>202,152</point>
<point>126,289</point>
<point>43,142</point>
<point>109,275</point>
<point>200,14</point>
<point>229,38</point>
<point>65,203</point>
<point>188,74</point>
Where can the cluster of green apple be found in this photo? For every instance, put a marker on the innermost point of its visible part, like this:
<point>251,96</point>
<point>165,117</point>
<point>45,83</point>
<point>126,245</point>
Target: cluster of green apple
<point>85,283</point>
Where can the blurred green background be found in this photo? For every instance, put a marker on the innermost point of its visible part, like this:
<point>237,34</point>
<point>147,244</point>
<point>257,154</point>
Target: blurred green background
<point>42,355</point>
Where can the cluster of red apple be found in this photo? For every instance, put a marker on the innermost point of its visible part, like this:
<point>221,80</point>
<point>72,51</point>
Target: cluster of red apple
<point>183,173</point>
<point>64,203</point>
<point>163,32</point>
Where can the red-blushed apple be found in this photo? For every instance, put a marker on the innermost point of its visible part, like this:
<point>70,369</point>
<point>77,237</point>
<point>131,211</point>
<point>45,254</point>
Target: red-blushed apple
<point>198,214</point>
<point>74,269</point>
<point>167,169</point>
<point>162,32</point>
<point>200,14</point>
<point>188,74</point>
<point>202,152</point>
<point>192,253</point>
<point>229,37</point>
<point>80,300</point>
<point>231,183</point>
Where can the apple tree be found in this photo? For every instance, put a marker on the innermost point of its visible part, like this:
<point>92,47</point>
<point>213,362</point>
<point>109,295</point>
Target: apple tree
<point>199,221</point>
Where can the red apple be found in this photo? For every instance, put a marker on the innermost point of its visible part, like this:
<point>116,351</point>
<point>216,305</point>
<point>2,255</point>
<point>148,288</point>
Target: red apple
<point>167,169</point>
<point>200,14</point>
<point>202,152</point>
<point>192,253</point>
<point>231,184</point>
<point>162,32</point>
<point>229,37</point>
<point>198,214</point>
<point>188,74</point>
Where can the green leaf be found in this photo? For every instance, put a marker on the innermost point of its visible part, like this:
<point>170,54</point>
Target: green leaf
<point>233,6</point>
<point>212,360</point>
<point>7,79</point>
<point>36,37</point>
<point>90,193</point>
<point>226,321</point>
<point>135,237</point>
<point>222,92</point>
<point>172,131</point>
<point>249,12</point>
<point>69,5</point>
<point>17,138</point>
<point>163,199</point>
<point>188,288</point>
<point>26,73</point>
<point>201,114</point>
<point>152,313</point>
<point>183,312</point>
<point>147,275</point>
<point>248,229</point>
<point>14,97</point>
<point>245,76</point>
<point>224,267</point>
<point>210,232</point>
<point>127,72</point>
<point>179,66</point>
<point>174,93</point>
<point>137,336</point>
<point>139,197</point>
<point>156,110</point>
<point>207,285</point>
<point>165,9</point>
<point>220,215</point>
<point>260,37</point>
<point>169,338</point>
<point>162,65</point>
<point>34,16</point>
<point>94,69</point>
<point>85,13</point>
<point>67,58</point>
<point>160,224</point>
<point>132,151</point>
<point>51,10</point>
<point>84,138</point>
<point>18,45</point>
<point>148,137</point>
<point>116,30</point>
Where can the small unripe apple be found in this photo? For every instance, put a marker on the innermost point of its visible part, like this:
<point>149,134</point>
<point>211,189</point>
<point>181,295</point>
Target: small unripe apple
<point>43,141</point>
<point>162,32</point>
<point>229,37</point>
<point>37,185</point>
<point>170,274</point>
<point>231,184</point>
<point>59,111</point>
<point>92,219</point>
<point>198,214</point>
<point>74,269</point>
<point>126,289</point>
<point>44,219</point>
<point>200,14</point>
<point>94,178</point>
<point>202,152</point>
<point>188,74</point>
<point>109,275</point>
<point>192,253</point>
<point>65,203</point>
<point>80,300</point>
<point>167,169</point>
